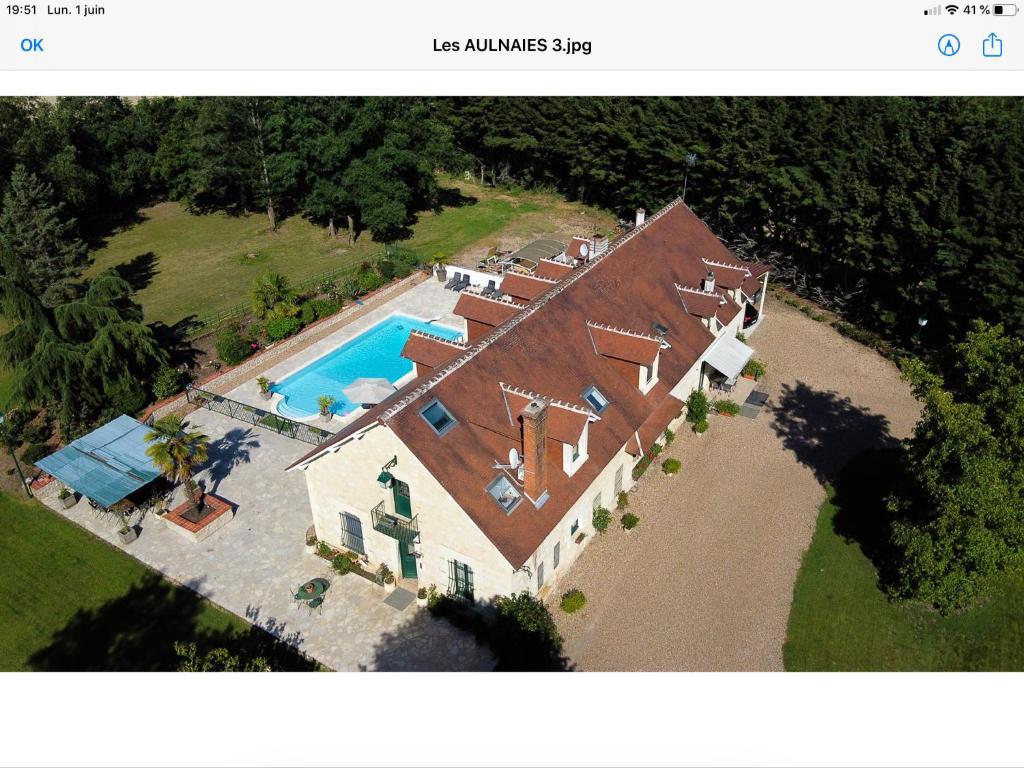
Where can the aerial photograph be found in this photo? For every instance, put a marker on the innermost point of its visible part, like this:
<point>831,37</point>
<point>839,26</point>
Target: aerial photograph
<point>581,384</point>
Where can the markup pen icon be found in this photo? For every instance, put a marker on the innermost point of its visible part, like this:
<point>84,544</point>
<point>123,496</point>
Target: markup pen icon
<point>992,46</point>
<point>949,45</point>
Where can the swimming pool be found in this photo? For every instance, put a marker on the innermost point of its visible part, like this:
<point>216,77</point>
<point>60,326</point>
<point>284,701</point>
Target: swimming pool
<point>375,353</point>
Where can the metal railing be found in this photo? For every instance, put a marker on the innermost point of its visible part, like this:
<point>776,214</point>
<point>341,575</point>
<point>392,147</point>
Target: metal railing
<point>406,531</point>
<point>256,416</point>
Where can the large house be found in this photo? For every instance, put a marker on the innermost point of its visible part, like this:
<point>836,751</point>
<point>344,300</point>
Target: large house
<point>481,474</point>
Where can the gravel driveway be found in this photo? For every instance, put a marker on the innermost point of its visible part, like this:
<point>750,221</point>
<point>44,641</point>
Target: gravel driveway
<point>706,580</point>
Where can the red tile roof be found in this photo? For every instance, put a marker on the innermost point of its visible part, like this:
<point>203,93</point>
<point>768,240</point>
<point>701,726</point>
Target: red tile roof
<point>547,348</point>
<point>430,350</point>
<point>700,303</point>
<point>625,345</point>
<point>525,287</point>
<point>553,270</point>
<point>565,422</point>
<point>491,312</point>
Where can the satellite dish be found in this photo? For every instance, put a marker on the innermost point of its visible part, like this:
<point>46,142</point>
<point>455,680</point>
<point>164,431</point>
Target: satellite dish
<point>584,250</point>
<point>513,457</point>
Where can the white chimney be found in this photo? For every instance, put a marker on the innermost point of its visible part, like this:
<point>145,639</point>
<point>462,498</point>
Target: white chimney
<point>641,215</point>
<point>708,284</point>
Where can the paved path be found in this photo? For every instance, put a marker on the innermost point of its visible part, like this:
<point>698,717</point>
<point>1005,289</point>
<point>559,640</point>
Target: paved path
<point>253,565</point>
<point>705,581</point>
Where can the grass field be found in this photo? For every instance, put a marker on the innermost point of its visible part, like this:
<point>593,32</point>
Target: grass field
<point>842,621</point>
<point>69,601</point>
<point>188,265</point>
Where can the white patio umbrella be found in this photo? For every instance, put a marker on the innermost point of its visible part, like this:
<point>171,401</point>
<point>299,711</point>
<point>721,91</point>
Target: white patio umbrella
<point>369,391</point>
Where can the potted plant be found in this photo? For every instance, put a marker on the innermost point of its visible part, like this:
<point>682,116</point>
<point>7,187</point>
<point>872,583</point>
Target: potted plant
<point>126,534</point>
<point>422,594</point>
<point>325,402</point>
<point>264,384</point>
<point>311,540</point>
<point>754,369</point>
<point>67,497</point>
<point>438,261</point>
<point>386,578</point>
<point>725,408</point>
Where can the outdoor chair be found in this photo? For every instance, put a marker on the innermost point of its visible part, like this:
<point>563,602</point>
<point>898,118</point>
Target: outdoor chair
<point>490,289</point>
<point>462,285</point>
<point>316,604</point>
<point>322,582</point>
<point>450,285</point>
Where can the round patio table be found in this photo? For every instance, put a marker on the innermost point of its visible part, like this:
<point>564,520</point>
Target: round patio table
<point>310,590</point>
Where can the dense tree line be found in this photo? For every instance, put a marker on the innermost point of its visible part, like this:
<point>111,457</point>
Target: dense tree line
<point>904,208</point>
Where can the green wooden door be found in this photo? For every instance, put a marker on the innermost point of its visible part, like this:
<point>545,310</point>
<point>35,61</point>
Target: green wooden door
<point>408,560</point>
<point>403,505</point>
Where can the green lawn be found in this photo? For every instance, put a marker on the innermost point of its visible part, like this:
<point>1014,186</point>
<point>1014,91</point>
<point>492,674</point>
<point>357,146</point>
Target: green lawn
<point>200,265</point>
<point>69,601</point>
<point>841,620</point>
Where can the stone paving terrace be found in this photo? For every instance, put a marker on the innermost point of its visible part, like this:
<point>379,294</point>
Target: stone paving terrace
<point>253,565</point>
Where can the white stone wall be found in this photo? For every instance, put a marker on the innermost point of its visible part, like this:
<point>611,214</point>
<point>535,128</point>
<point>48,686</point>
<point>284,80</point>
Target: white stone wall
<point>346,481</point>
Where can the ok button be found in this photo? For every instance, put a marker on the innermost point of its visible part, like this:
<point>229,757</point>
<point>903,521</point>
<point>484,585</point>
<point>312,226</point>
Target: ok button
<point>32,45</point>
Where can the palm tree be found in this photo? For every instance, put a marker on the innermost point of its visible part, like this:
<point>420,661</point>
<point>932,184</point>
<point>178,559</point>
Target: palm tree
<point>273,297</point>
<point>177,452</point>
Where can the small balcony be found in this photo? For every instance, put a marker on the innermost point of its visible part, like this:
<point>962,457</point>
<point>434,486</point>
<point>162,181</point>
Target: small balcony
<point>405,531</point>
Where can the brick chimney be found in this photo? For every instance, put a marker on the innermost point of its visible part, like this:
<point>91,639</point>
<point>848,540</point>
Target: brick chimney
<point>535,475</point>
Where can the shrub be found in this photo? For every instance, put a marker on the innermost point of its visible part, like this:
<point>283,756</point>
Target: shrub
<point>35,452</point>
<point>524,636</point>
<point>386,268</point>
<point>350,289</point>
<point>369,281</point>
<point>384,575</point>
<point>642,465</point>
<point>726,406</point>
<point>697,407</point>
<point>655,450</point>
<point>403,269</point>
<point>324,550</point>
<point>602,517</point>
<point>573,600</point>
<point>754,367</point>
<point>282,327</point>
<point>670,466</point>
<point>622,501</point>
<point>307,312</point>
<point>344,562</point>
<point>629,521</point>
<point>701,426</point>
<point>740,336</point>
<point>669,436</point>
<point>232,348</point>
<point>325,307</point>
<point>167,382</point>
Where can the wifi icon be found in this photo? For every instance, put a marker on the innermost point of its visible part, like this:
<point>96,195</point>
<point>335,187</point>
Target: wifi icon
<point>951,9</point>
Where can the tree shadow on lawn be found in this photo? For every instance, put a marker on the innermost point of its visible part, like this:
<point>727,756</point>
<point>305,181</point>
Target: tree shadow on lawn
<point>137,631</point>
<point>173,339</point>
<point>452,197</point>
<point>825,430</point>
<point>139,272</point>
<point>514,648</point>
<point>861,516</point>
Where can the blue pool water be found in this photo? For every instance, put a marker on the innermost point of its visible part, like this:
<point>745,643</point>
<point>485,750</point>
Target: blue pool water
<point>375,353</point>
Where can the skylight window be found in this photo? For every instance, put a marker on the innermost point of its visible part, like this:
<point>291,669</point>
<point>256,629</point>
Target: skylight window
<point>503,492</point>
<point>438,417</point>
<point>596,400</point>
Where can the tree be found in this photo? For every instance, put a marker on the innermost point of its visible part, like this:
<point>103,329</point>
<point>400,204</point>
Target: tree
<point>273,297</point>
<point>176,452</point>
<point>34,232</point>
<point>217,660</point>
<point>962,519</point>
<point>524,635</point>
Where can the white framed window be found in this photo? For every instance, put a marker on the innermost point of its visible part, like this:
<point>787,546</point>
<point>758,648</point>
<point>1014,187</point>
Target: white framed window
<point>649,375</point>
<point>573,456</point>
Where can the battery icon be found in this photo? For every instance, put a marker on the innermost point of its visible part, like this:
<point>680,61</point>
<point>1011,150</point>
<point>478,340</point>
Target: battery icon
<point>1004,10</point>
